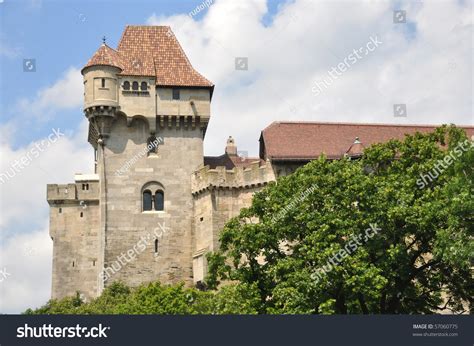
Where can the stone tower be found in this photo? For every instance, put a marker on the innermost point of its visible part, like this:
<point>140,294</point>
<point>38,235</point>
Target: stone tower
<point>132,220</point>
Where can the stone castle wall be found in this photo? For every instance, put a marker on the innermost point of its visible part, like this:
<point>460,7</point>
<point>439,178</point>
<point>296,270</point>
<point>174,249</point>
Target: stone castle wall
<point>219,195</point>
<point>178,155</point>
<point>74,229</point>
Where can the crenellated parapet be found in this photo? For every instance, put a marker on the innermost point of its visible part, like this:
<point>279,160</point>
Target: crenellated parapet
<point>253,175</point>
<point>85,189</point>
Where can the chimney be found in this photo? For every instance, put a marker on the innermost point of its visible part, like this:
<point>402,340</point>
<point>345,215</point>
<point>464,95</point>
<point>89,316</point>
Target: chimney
<point>231,148</point>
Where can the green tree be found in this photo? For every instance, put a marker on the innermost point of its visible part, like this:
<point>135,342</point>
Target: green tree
<point>418,260</point>
<point>155,298</point>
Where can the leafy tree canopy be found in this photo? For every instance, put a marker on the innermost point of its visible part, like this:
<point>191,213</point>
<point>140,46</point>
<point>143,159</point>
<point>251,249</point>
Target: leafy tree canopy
<point>155,298</point>
<point>373,235</point>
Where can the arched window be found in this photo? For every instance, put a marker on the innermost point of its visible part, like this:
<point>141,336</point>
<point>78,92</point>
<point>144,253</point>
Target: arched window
<point>147,200</point>
<point>135,86</point>
<point>143,86</point>
<point>126,85</point>
<point>156,245</point>
<point>159,200</point>
<point>153,196</point>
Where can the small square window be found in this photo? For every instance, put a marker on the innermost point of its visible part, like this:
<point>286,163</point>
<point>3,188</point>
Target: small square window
<point>175,94</point>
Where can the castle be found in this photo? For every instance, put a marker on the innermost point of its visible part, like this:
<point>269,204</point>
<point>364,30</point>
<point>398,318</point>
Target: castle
<point>154,206</point>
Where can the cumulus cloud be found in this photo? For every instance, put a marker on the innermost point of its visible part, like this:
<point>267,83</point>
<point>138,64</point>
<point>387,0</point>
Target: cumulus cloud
<point>26,262</point>
<point>424,63</point>
<point>66,93</point>
<point>25,245</point>
<point>25,169</point>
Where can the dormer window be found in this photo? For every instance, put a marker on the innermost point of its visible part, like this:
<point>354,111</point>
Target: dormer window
<point>176,95</point>
<point>135,86</point>
<point>126,85</point>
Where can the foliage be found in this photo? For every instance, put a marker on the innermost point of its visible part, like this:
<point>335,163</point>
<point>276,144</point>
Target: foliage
<point>155,298</point>
<point>421,255</point>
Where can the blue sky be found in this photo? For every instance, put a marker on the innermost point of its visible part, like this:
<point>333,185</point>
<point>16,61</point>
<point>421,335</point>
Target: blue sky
<point>63,34</point>
<point>291,46</point>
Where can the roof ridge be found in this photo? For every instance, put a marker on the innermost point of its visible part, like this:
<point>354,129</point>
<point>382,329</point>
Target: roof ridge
<point>363,124</point>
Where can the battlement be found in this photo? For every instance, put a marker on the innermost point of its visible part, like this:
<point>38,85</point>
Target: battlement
<point>252,176</point>
<point>85,188</point>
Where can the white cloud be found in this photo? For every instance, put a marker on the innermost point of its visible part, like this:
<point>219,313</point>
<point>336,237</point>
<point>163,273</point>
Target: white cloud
<point>425,64</point>
<point>23,188</point>
<point>26,259</point>
<point>66,93</point>
<point>428,69</point>
<point>25,246</point>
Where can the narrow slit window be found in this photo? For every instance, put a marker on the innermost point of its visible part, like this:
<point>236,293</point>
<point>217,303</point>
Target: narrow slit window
<point>156,245</point>
<point>82,214</point>
<point>103,82</point>
<point>60,210</point>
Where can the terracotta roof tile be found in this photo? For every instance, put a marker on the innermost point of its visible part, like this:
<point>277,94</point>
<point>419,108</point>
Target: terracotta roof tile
<point>105,56</point>
<point>154,51</point>
<point>308,140</point>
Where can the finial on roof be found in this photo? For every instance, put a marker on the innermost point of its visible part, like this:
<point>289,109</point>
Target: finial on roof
<point>103,40</point>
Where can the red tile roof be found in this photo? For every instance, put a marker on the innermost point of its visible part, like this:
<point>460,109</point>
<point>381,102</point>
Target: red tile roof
<point>153,51</point>
<point>308,140</point>
<point>105,56</point>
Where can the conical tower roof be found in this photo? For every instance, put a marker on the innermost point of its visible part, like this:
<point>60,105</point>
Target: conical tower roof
<point>105,56</point>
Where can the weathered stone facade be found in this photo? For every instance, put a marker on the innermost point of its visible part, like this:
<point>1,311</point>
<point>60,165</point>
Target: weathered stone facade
<point>150,213</point>
<point>105,232</point>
